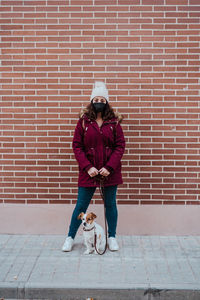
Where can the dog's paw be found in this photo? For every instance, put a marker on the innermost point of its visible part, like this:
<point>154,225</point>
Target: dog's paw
<point>87,252</point>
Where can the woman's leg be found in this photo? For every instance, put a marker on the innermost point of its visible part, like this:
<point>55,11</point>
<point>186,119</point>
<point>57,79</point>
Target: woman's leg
<point>84,197</point>
<point>111,209</point>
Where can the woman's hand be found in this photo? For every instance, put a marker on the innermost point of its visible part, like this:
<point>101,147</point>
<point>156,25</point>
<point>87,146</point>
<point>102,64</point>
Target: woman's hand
<point>93,172</point>
<point>104,172</point>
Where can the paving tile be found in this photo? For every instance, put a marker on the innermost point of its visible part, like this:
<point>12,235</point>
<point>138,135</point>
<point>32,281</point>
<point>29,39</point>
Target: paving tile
<point>148,262</point>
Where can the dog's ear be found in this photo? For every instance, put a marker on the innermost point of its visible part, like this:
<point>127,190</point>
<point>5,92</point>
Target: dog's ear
<point>93,215</point>
<point>80,216</point>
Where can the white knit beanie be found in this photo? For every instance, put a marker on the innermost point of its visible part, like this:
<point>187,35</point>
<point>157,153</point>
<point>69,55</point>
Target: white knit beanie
<point>99,90</point>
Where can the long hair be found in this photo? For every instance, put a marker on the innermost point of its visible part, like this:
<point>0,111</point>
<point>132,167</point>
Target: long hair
<point>107,114</point>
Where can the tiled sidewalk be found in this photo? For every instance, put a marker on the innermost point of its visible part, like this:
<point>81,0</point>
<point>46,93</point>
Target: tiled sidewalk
<point>146,267</point>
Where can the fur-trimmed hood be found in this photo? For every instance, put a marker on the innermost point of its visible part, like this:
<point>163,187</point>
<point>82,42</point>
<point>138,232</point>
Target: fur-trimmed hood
<point>118,116</point>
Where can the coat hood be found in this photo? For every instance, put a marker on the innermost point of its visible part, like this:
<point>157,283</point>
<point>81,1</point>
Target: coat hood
<point>83,112</point>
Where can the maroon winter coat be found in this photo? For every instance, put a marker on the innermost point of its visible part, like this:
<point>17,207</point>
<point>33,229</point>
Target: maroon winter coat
<point>98,147</point>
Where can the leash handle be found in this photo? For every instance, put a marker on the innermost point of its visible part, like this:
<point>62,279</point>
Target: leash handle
<point>101,188</point>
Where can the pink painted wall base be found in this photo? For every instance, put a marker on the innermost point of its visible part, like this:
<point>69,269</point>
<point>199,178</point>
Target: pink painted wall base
<point>133,220</point>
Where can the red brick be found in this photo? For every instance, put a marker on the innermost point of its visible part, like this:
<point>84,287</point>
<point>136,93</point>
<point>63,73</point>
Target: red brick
<point>176,2</point>
<point>152,2</point>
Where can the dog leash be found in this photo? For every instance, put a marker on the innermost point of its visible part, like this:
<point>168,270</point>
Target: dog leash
<point>102,193</point>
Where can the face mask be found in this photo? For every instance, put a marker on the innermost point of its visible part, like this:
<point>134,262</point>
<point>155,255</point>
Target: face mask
<point>99,107</point>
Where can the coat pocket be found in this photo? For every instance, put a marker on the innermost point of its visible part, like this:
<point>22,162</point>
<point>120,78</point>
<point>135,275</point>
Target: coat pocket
<point>108,154</point>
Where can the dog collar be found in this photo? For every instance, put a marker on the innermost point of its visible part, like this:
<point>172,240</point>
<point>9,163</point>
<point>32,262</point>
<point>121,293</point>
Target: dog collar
<point>88,229</point>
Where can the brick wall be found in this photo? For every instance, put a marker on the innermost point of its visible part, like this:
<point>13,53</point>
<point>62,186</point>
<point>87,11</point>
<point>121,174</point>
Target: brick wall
<point>147,51</point>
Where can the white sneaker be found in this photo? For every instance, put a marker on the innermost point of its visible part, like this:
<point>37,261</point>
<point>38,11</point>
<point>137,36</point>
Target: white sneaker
<point>67,246</point>
<point>112,244</point>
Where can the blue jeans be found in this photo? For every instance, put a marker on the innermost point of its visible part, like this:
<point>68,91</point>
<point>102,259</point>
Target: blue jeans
<point>84,197</point>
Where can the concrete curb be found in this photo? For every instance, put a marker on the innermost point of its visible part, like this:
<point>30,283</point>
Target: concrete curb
<point>61,292</point>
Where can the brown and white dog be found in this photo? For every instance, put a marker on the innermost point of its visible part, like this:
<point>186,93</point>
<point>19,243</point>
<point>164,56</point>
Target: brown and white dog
<point>90,228</point>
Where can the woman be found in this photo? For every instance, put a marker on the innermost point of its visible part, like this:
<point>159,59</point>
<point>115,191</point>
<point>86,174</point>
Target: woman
<point>98,145</point>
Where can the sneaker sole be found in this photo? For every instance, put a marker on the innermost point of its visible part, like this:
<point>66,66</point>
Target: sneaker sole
<point>113,250</point>
<point>66,250</point>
